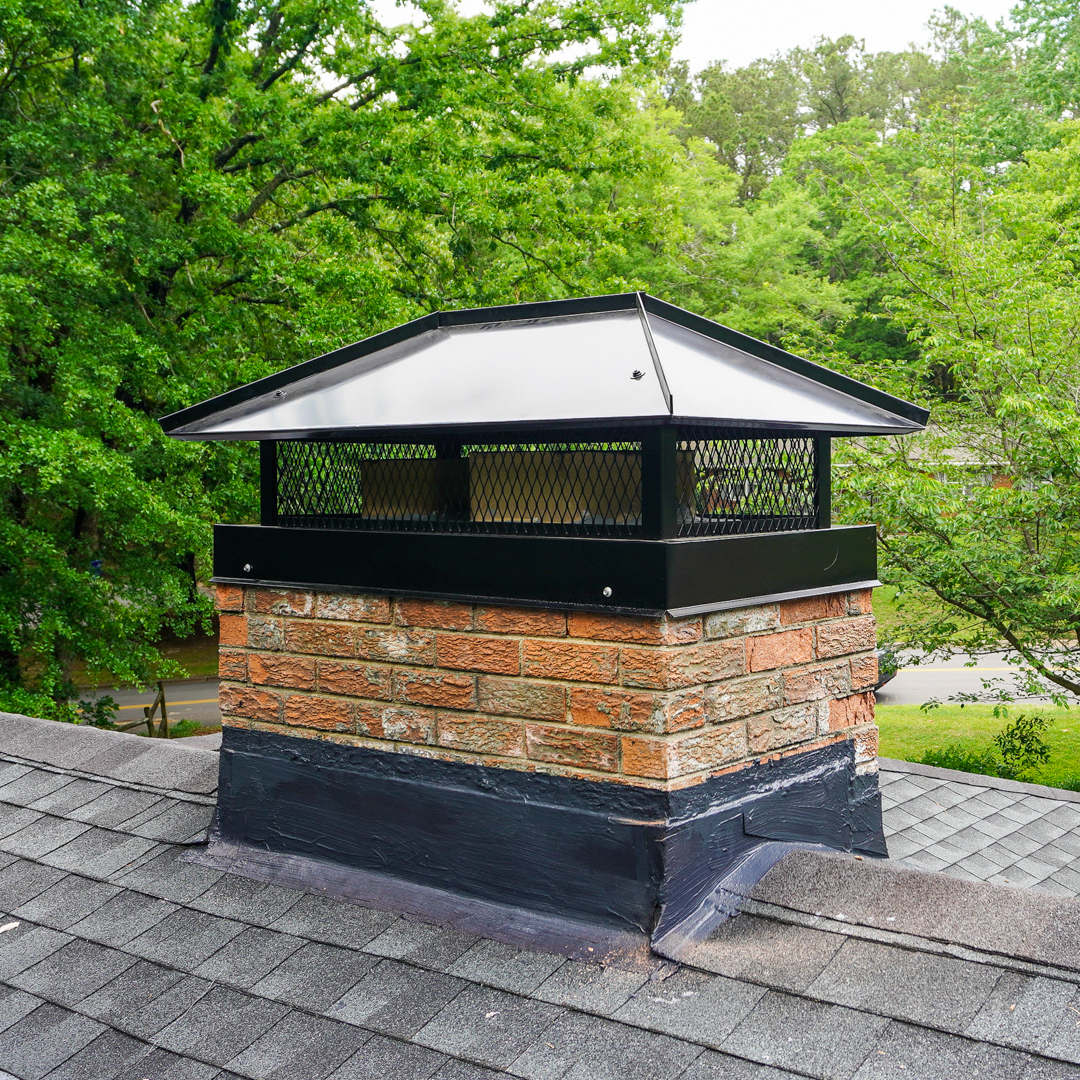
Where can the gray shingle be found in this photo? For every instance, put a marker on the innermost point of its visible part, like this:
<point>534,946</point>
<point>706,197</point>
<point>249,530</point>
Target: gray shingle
<point>73,973</point>
<point>177,823</point>
<point>466,1070</point>
<point>300,1047</point>
<point>98,852</point>
<point>146,997</point>
<point>31,786</point>
<point>25,945</point>
<point>219,1025</point>
<point>488,1026</point>
<point>505,967</point>
<point>315,976</point>
<point>22,880</point>
<point>829,1041</point>
<point>323,919</point>
<point>69,900</point>
<point>64,800</point>
<point>1041,1069</point>
<point>11,769</point>
<point>165,1065</point>
<point>185,938</point>
<point>44,1039</point>
<point>249,901</point>
<point>590,987</point>
<point>250,956</point>
<point>396,999</point>
<point>1023,1011</point>
<point>114,806</point>
<point>110,1052</point>
<point>14,1005</point>
<point>1042,830</point>
<point>123,918</point>
<point>41,836</point>
<point>423,943</point>
<point>714,1066</point>
<point>381,1058</point>
<point>171,876</point>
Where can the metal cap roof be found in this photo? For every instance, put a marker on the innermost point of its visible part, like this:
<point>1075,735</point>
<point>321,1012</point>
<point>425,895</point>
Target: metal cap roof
<point>626,358</point>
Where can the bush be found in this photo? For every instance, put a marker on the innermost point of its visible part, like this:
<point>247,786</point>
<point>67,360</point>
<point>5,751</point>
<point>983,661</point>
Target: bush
<point>1019,751</point>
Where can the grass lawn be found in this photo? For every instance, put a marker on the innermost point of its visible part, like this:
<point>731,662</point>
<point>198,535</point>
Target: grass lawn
<point>907,733</point>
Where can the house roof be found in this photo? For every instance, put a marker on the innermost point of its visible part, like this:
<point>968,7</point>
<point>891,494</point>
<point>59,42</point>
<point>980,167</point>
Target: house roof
<point>120,958</point>
<point>622,359</point>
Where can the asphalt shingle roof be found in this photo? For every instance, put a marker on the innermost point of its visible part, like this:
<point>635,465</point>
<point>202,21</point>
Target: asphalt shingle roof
<point>130,961</point>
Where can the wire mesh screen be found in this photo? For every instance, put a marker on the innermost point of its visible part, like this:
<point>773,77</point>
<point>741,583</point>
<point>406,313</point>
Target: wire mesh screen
<point>743,484</point>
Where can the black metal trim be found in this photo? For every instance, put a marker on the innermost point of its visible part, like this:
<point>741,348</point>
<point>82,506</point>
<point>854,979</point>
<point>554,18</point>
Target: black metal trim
<point>268,483</point>
<point>823,467</point>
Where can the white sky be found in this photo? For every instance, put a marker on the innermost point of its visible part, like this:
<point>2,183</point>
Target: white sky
<point>743,30</point>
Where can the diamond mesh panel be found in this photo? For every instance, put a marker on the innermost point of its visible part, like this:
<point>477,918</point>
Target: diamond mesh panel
<point>743,484</point>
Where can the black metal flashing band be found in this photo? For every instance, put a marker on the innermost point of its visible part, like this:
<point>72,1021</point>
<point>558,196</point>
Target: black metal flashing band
<point>658,865</point>
<point>648,577</point>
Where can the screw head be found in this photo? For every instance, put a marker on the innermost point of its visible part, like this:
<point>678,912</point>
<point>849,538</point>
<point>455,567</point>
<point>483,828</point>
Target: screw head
<point>248,568</point>
<point>607,590</point>
<point>636,375</point>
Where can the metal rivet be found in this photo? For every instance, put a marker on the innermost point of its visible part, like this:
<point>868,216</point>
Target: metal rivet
<point>607,590</point>
<point>248,568</point>
<point>279,393</point>
<point>637,374</point>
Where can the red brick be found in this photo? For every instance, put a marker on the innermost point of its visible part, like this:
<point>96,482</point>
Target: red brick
<point>283,601</point>
<point>355,680</point>
<point>265,632</point>
<point>525,622</point>
<point>633,629</point>
<point>866,745</point>
<point>848,636</point>
<point>229,598</point>
<point>434,614</point>
<point>712,748</point>
<point>851,711</point>
<point>861,602</point>
<point>675,668</point>
<point>749,620</point>
<point>788,647</point>
<point>597,750</point>
<point>324,714</point>
<point>232,630</point>
<point>817,682</point>
<point>252,704</point>
<point>410,725</point>
<point>470,652</point>
<point>277,669</point>
<point>864,672</point>
<point>481,735</point>
<point>576,661</point>
<point>813,608</point>
<point>442,689</point>
<point>782,728</point>
<point>320,638</point>
<point>399,645</point>
<point>518,697</point>
<point>743,697</point>
<point>369,720</point>
<point>644,757</point>
<point>351,607</point>
<point>635,710</point>
<point>232,664</point>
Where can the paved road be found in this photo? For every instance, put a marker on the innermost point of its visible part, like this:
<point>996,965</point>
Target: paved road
<point>191,699</point>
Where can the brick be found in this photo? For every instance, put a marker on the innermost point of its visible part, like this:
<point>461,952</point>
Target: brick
<point>439,688</point>
<point>281,669</point>
<point>482,735</point>
<point>748,620</point>
<point>644,757</point>
<point>691,752</point>
<point>692,665</point>
<point>434,614</point>
<point>861,602</point>
<point>780,650</point>
<point>232,664</point>
<point>410,725</point>
<point>817,682</point>
<point>851,711</point>
<point>350,607</point>
<point>848,636</point>
<point>576,661</point>
<point>229,598</point>
<point>470,652</point>
<point>525,622</point>
<point>249,703</point>
<point>400,645</point>
<point>354,680</point>
<point>783,728</point>
<point>594,749</point>
<point>633,629</point>
<point>369,720</point>
<point>318,637</point>
<point>299,602</point>
<point>864,672</point>
<point>743,697</point>
<point>265,633</point>
<point>866,745</point>
<point>232,630</point>
<point>519,697</point>
<point>322,713</point>
<point>636,710</point>
<point>813,608</point>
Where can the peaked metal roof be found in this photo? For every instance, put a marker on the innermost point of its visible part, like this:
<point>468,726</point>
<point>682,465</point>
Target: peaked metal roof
<point>625,358</point>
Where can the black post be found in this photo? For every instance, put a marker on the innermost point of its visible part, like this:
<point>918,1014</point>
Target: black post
<point>268,482</point>
<point>823,463</point>
<point>659,483</point>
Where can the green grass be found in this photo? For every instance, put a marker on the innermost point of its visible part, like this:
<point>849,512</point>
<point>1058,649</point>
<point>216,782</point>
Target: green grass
<point>907,733</point>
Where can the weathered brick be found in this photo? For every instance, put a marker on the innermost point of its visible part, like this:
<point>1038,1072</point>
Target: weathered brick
<point>644,757</point>
<point>281,669</point>
<point>816,682</point>
<point>866,745</point>
<point>782,728</point>
<point>851,711</point>
<point>434,614</point>
<point>229,598</point>
<point>352,607</point>
<point>265,632</point>
<point>519,697</point>
<point>369,720</point>
<point>813,608</point>
<point>249,703</point>
<point>559,745</point>
<point>749,620</point>
<point>354,679</point>
<point>781,649</point>
<point>447,690</point>
<point>864,672</point>
<point>318,637</point>
<point>861,602</point>
<point>410,725</point>
<point>636,710</point>
<point>300,602</point>
<point>743,697</point>
<point>232,664</point>
<point>848,636</point>
<point>471,652</point>
<point>633,629</point>
<point>321,713</point>
<point>232,630</point>
<point>482,735</point>
<point>525,622</point>
<point>675,668</point>
<point>711,748</point>
<point>576,661</point>
<point>399,645</point>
